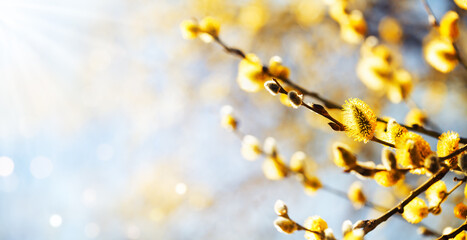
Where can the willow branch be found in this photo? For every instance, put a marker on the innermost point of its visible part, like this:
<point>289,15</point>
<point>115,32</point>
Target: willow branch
<point>369,225</point>
<point>455,153</point>
<point>434,22</point>
<point>327,103</point>
<point>454,232</point>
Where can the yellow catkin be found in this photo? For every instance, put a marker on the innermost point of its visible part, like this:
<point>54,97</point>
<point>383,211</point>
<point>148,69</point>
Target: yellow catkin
<point>462,235</point>
<point>359,120</point>
<point>311,185</point>
<point>415,117</point>
<point>210,26</point>
<point>317,224</point>
<point>251,77</point>
<point>441,55</point>
<point>343,157</point>
<point>356,234</point>
<point>250,148</point>
<point>409,156</point>
<point>448,27</point>
<point>190,29</point>
<point>285,225</point>
<point>353,27</point>
<point>388,178</point>
<point>435,193</point>
<point>356,195</point>
<point>461,3</point>
<point>448,142</point>
<point>277,69</point>
<point>297,162</point>
<point>415,211</point>
<point>394,131</point>
<point>460,211</point>
<point>274,168</point>
<point>390,30</point>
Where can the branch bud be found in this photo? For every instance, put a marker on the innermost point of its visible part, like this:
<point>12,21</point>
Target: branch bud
<point>432,163</point>
<point>272,87</point>
<point>389,159</point>
<point>280,208</point>
<point>285,225</point>
<point>295,99</point>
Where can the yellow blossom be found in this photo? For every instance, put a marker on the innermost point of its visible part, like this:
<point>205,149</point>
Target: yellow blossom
<point>448,26</point>
<point>356,234</point>
<point>461,3</point>
<point>343,157</point>
<point>189,28</point>
<point>317,224</point>
<point>209,28</point>
<point>274,168</point>
<point>250,148</point>
<point>285,225</point>
<point>356,195</point>
<point>441,55</point>
<point>388,178</point>
<point>420,143</point>
<point>394,131</point>
<point>277,69</point>
<point>359,120</point>
<point>448,143</point>
<point>297,161</point>
<point>228,120</point>
<point>353,27</point>
<point>435,193</point>
<point>415,116</point>
<point>311,185</point>
<point>415,211</point>
<point>390,30</point>
<point>251,77</point>
<point>462,235</point>
<point>460,211</point>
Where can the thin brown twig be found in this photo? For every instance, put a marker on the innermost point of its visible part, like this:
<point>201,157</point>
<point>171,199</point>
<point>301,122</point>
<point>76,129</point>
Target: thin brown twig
<point>455,153</point>
<point>454,232</point>
<point>369,225</point>
<point>327,103</point>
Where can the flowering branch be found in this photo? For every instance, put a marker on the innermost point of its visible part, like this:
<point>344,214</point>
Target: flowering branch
<point>369,225</point>
<point>327,103</point>
<point>454,232</point>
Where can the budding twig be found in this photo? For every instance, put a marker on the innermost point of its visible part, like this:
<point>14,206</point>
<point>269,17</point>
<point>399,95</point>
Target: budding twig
<point>454,232</point>
<point>369,225</point>
<point>434,22</point>
<point>327,103</point>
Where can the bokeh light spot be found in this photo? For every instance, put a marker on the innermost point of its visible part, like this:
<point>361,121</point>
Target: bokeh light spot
<point>6,166</point>
<point>55,220</point>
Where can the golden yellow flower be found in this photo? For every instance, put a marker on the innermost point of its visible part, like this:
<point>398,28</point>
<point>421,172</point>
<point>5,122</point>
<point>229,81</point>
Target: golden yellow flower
<point>374,72</point>
<point>415,211</point>
<point>394,131</point>
<point>460,211</point>
<point>400,86</point>
<point>353,27</point>
<point>423,147</point>
<point>274,168</point>
<point>356,195</point>
<point>435,193</point>
<point>448,27</point>
<point>441,55</point>
<point>209,28</point>
<point>189,28</point>
<point>277,69</point>
<point>415,116</point>
<point>250,148</point>
<point>359,120</point>
<point>228,121</point>
<point>388,178</point>
<point>311,185</point>
<point>448,143</point>
<point>461,3</point>
<point>317,224</point>
<point>356,234</point>
<point>390,30</point>
<point>280,208</point>
<point>343,157</point>
<point>251,77</point>
<point>285,225</point>
<point>462,235</point>
<point>297,161</point>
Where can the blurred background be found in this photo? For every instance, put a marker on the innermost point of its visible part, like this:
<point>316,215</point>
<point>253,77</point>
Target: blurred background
<point>110,125</point>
